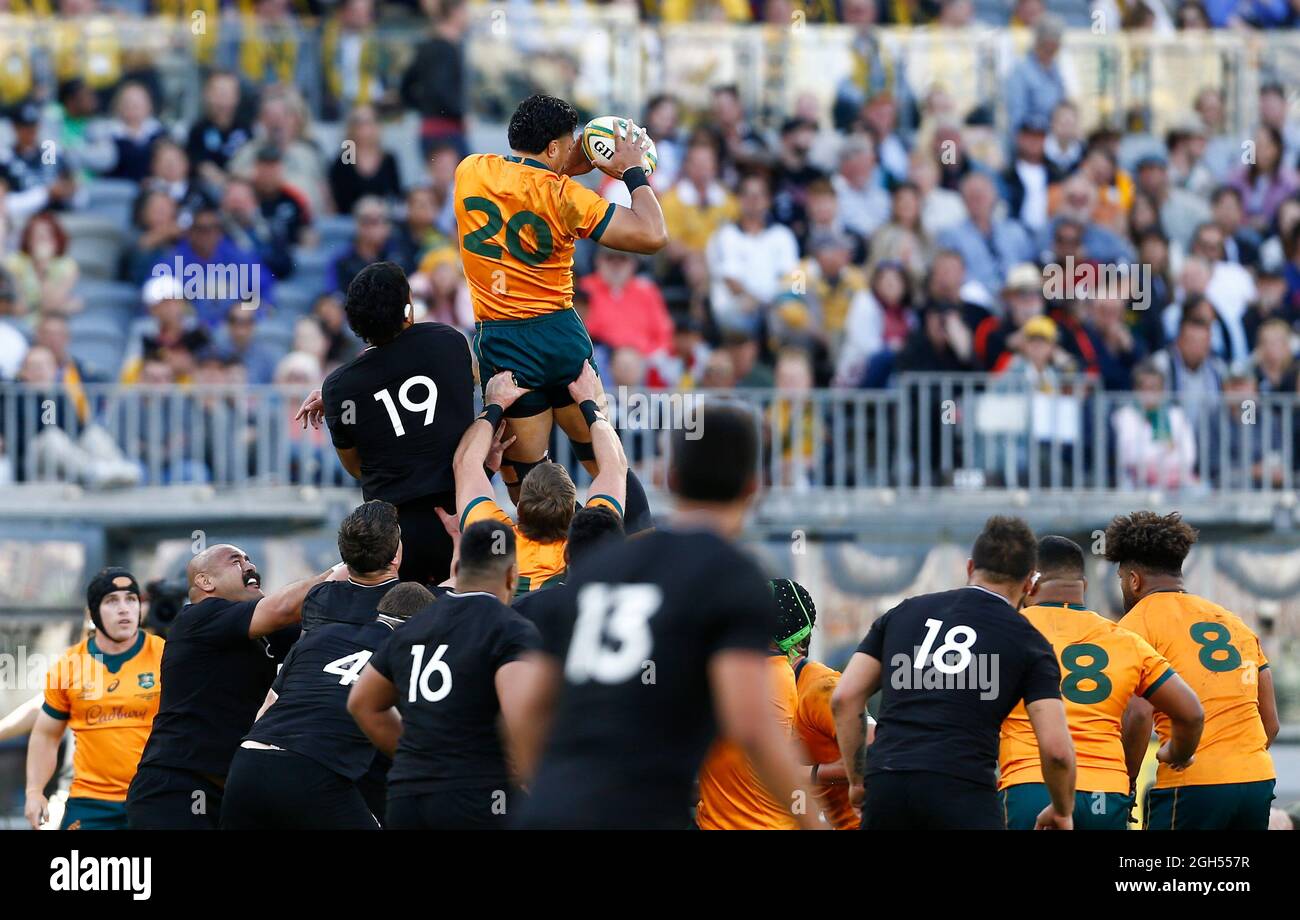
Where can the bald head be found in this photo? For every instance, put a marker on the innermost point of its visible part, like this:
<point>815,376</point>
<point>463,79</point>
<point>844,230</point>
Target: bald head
<point>223,571</point>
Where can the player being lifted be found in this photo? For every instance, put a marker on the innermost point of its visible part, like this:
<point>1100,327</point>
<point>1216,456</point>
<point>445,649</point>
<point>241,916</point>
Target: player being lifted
<point>547,498</point>
<point>1103,667</point>
<point>517,219</point>
<point>1230,784</point>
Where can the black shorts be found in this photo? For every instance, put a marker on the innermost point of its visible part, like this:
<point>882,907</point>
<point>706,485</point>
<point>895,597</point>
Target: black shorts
<point>171,799</point>
<point>281,790</point>
<point>426,547</point>
<point>917,800</point>
<point>485,808</point>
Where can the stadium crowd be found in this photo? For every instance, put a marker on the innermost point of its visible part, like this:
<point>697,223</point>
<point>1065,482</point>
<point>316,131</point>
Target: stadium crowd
<point>817,247</point>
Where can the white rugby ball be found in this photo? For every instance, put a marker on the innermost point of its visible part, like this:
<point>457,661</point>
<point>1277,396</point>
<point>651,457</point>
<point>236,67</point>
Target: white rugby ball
<point>598,142</point>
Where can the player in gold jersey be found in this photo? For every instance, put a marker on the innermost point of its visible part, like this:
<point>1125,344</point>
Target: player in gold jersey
<point>1103,666</point>
<point>517,219</point>
<point>1230,784</point>
<point>105,688</point>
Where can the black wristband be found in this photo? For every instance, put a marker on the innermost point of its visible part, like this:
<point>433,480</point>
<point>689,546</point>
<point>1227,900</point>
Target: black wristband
<point>634,178</point>
<point>493,413</point>
<point>591,412</point>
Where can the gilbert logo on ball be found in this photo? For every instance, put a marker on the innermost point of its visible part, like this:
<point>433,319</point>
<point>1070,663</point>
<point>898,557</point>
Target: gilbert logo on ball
<point>598,142</point>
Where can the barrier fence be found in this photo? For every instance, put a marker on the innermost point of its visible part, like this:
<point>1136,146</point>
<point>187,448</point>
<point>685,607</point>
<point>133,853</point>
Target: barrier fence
<point>929,433</point>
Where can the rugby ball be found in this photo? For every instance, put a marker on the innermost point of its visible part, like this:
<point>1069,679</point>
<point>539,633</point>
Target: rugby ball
<point>598,142</point>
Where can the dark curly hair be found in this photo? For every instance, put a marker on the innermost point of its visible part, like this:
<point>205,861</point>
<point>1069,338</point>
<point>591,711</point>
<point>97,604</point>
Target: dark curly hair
<point>1157,543</point>
<point>376,304</point>
<point>1006,547</point>
<point>591,528</point>
<point>539,120</point>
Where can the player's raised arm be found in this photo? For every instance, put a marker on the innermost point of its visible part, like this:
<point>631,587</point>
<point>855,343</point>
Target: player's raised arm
<point>283,608</point>
<point>482,438</point>
<point>640,228</point>
<point>858,683</point>
<point>611,461</point>
<point>1056,756</point>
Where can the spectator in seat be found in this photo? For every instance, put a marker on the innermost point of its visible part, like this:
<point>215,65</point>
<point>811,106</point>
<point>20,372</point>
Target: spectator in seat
<point>748,260</point>
<point>41,443</point>
<point>155,218</point>
<point>283,206</point>
<point>941,342</point>
<point>1028,177</point>
<point>862,202</point>
<point>363,167</point>
<point>1064,144</point>
<point>1154,441</point>
<point>370,243</point>
<point>355,60</point>
<point>282,124</point>
<point>171,335</point>
<point>1266,181</point>
<point>825,219</point>
<point>1241,243</point>
<point>1193,373</point>
<point>207,255</point>
<point>250,231</point>
<point>627,311</point>
<point>682,366</point>
<point>1253,432</point>
<point>417,233</point>
<point>219,133</point>
<point>989,246</point>
<point>904,239</point>
<point>1273,363</point>
<point>134,132</point>
<point>436,83</point>
<point>1035,87</point>
<point>696,206</point>
<point>830,284</point>
<point>793,173</point>
<point>998,337</point>
<point>169,170</point>
<point>44,274</point>
<point>439,286</point>
<point>743,147</point>
<point>1180,211</point>
<point>880,320</point>
<point>237,340</point>
<point>1115,349</point>
<point>343,342</point>
<point>35,181</point>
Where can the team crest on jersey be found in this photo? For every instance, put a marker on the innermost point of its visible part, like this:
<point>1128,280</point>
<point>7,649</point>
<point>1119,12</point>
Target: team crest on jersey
<point>146,680</point>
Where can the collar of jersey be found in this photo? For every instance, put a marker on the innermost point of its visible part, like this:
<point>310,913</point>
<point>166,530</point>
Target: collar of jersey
<point>471,594</point>
<point>113,663</point>
<point>1061,604</point>
<point>990,593</point>
<point>378,584</point>
<point>527,161</point>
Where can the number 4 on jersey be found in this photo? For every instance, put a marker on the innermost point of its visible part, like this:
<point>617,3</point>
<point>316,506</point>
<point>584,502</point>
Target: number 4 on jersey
<point>348,668</point>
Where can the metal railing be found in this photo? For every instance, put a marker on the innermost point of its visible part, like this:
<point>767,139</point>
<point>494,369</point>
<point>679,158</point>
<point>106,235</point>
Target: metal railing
<point>958,432</point>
